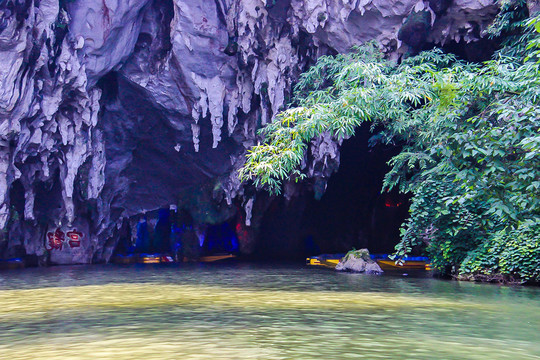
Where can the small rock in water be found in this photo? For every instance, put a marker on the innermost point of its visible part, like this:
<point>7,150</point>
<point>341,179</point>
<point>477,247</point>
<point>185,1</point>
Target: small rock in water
<point>359,261</point>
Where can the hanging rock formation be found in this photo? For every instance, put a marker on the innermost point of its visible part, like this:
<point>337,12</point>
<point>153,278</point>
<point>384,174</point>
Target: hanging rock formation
<point>110,109</point>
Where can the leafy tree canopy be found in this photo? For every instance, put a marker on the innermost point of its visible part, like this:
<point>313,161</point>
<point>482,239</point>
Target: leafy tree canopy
<point>470,144</point>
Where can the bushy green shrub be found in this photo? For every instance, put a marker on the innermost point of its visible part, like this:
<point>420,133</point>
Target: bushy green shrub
<point>514,252</point>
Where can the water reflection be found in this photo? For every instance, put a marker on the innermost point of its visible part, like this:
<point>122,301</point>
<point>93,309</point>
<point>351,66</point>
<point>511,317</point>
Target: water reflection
<point>259,312</point>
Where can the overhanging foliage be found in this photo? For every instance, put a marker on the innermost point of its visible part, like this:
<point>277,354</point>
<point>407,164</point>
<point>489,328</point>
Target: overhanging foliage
<point>471,153</point>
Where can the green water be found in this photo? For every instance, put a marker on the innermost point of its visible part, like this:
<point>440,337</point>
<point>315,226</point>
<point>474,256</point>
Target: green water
<point>244,311</point>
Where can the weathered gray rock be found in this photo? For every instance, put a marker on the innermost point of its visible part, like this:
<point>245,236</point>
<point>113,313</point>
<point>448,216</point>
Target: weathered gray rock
<point>110,109</point>
<point>439,6</point>
<point>533,6</point>
<point>415,30</point>
<point>359,261</point>
<point>105,32</point>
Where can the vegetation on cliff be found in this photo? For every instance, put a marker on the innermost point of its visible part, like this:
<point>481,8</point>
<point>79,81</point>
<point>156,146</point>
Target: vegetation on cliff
<point>470,145</point>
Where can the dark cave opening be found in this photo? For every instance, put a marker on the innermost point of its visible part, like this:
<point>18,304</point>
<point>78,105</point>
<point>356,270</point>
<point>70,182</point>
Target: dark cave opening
<point>352,213</point>
<point>16,197</point>
<point>48,201</point>
<point>475,51</point>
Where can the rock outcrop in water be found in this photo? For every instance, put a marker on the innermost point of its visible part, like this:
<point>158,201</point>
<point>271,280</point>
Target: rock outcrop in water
<point>359,261</point>
<point>110,109</point>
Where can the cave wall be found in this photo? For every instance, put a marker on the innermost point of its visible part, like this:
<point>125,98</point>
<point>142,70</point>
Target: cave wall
<point>110,109</point>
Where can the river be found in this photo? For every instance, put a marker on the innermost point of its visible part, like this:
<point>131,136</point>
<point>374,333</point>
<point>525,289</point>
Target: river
<point>257,311</point>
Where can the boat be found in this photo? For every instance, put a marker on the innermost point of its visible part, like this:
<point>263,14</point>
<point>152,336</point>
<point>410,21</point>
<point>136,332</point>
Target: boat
<point>16,263</point>
<point>408,263</point>
<point>325,260</point>
<point>163,258</point>
<point>142,259</point>
<point>125,259</point>
<point>155,259</point>
<point>166,259</point>
<point>150,258</point>
<point>217,257</point>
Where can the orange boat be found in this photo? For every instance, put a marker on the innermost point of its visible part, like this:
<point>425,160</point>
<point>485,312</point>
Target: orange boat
<point>407,265</point>
<point>325,260</point>
<point>212,258</point>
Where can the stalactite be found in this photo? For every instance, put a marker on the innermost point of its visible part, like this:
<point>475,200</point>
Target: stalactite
<point>248,207</point>
<point>196,130</point>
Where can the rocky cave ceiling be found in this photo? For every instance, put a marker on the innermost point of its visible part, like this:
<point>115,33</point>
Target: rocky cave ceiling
<point>109,109</point>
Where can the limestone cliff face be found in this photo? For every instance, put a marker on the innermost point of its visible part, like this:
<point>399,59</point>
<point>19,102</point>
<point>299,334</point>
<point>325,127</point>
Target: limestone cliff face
<point>109,109</point>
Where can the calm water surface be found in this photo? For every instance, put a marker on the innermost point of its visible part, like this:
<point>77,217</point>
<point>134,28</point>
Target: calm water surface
<point>244,311</point>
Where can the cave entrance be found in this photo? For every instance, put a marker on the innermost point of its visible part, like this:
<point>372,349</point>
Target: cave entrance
<point>16,197</point>
<point>351,213</point>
